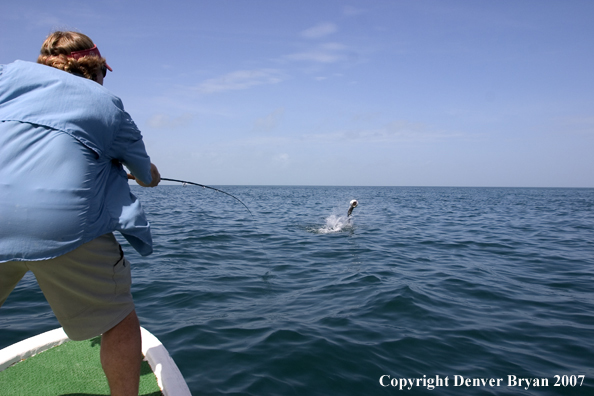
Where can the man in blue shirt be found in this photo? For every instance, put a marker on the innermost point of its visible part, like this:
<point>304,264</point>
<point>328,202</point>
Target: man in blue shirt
<point>63,191</point>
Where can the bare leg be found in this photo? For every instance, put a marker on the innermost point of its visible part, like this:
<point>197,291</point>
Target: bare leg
<point>121,356</point>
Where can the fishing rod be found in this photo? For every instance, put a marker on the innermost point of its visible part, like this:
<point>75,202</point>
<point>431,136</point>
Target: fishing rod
<point>212,188</point>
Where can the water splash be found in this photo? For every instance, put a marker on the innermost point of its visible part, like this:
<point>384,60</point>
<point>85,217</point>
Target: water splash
<point>335,224</point>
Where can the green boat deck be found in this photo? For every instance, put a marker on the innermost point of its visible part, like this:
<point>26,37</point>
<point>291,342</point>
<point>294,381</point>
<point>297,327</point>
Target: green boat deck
<point>72,368</point>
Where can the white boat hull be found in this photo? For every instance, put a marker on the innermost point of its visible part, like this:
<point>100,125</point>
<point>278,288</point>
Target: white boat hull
<point>169,377</point>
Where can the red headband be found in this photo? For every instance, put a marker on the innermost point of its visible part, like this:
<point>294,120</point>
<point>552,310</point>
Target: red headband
<point>91,51</point>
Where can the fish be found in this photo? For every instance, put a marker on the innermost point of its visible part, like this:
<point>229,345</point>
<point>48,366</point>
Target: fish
<point>354,204</point>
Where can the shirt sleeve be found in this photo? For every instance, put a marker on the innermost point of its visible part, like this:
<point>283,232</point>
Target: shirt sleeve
<point>128,148</point>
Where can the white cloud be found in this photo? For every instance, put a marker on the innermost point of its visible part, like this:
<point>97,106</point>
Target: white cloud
<point>574,125</point>
<point>271,121</point>
<point>320,30</point>
<point>396,131</point>
<point>241,79</point>
<point>164,121</point>
<point>281,159</point>
<point>324,53</point>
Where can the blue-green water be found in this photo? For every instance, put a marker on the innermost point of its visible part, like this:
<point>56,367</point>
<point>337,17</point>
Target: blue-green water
<point>422,282</point>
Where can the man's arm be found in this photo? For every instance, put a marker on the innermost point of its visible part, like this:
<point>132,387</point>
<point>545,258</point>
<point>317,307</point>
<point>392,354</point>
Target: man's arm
<point>155,175</point>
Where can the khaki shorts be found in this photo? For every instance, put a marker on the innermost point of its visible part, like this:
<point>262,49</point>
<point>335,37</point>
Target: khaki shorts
<point>88,288</point>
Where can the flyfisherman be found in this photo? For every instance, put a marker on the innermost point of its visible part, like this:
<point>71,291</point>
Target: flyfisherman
<point>63,191</point>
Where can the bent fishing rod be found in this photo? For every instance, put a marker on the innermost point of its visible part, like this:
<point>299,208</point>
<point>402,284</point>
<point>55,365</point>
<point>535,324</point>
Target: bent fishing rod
<point>212,188</point>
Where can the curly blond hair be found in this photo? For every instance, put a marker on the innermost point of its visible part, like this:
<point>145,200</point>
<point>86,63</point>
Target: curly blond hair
<point>57,47</point>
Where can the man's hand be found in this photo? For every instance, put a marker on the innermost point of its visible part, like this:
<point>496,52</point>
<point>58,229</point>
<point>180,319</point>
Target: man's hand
<point>154,174</point>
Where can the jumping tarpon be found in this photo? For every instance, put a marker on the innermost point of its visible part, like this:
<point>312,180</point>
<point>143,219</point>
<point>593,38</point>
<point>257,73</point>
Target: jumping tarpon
<point>354,204</point>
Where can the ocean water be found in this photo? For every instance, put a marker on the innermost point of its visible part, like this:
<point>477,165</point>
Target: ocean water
<point>438,286</point>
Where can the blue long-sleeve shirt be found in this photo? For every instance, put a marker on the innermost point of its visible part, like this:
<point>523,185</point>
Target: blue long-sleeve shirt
<point>63,140</point>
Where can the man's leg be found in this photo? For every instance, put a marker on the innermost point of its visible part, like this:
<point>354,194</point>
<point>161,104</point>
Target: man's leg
<point>121,356</point>
<point>89,292</point>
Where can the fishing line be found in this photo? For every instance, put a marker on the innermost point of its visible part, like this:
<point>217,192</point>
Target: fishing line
<point>267,274</point>
<point>212,188</point>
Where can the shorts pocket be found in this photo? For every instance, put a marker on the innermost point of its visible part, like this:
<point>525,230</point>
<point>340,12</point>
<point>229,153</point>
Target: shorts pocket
<point>122,277</point>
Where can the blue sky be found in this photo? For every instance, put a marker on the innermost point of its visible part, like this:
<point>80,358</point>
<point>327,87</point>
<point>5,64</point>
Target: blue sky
<point>397,93</point>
